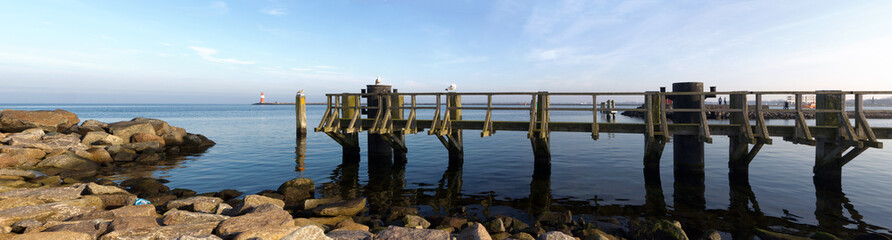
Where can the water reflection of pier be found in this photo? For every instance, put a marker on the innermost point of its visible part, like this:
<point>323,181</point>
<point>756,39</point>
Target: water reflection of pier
<point>387,187</point>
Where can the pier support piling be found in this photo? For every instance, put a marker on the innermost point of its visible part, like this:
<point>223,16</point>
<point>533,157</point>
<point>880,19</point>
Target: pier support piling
<point>739,153</point>
<point>379,149</point>
<point>687,150</point>
<point>454,139</point>
<point>653,145</point>
<point>399,137</point>
<point>350,140</point>
<point>539,138</point>
<point>828,151</point>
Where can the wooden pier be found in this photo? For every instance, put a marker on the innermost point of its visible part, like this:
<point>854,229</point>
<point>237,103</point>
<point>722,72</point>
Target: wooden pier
<point>837,138</point>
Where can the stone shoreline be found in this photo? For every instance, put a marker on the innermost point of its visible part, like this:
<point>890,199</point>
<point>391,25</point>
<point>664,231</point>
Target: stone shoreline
<point>49,190</point>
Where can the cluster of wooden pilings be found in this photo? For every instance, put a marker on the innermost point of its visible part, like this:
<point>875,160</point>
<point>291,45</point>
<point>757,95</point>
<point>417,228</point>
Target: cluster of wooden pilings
<point>837,141</point>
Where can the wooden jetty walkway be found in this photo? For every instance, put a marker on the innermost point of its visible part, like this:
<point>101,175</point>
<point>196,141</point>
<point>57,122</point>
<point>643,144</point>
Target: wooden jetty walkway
<point>837,137</point>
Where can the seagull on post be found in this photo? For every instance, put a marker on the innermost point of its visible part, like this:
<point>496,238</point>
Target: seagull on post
<point>301,91</point>
<point>451,87</point>
<point>378,80</point>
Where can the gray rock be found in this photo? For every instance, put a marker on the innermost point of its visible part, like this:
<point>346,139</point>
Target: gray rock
<point>60,142</point>
<point>164,232</point>
<point>265,233</point>
<point>145,187</point>
<point>197,203</point>
<point>22,152</point>
<point>555,235</point>
<point>224,209</point>
<point>346,208</point>
<point>176,217</point>
<point>33,135</point>
<point>398,233</point>
<point>309,232</point>
<point>476,232</point>
<point>717,235</point>
<point>496,225</point>
<point>315,202</point>
<point>144,146</point>
<point>642,228</point>
<point>94,123</point>
<point>116,200</point>
<point>349,235</point>
<point>413,221</point>
<point>14,202</point>
<point>46,194</point>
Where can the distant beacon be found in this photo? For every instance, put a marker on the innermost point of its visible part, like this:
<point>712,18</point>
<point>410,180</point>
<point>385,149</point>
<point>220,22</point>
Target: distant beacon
<point>262,98</point>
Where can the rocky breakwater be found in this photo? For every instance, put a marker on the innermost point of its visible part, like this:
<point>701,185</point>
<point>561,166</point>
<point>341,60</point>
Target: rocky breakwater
<point>107,211</point>
<point>52,143</point>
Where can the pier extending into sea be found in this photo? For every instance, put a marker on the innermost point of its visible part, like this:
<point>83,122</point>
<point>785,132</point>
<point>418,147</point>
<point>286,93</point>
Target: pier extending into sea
<point>838,139</point>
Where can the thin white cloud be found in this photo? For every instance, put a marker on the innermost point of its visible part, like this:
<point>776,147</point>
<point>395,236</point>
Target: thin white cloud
<point>325,67</point>
<point>274,11</point>
<point>166,44</point>
<point>207,53</point>
<point>220,7</point>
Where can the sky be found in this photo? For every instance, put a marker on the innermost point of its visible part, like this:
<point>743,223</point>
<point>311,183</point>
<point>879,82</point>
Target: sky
<point>230,51</point>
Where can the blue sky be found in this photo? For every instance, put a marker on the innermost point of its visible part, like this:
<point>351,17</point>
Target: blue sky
<point>230,51</point>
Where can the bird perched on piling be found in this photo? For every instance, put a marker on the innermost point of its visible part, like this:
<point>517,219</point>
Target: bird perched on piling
<point>451,87</point>
<point>301,91</point>
<point>378,80</point>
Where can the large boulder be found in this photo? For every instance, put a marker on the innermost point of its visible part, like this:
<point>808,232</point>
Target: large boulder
<point>164,232</point>
<point>42,212</point>
<point>101,138</point>
<point>350,235</point>
<point>50,121</point>
<point>68,161</point>
<point>297,190</point>
<point>15,202</point>
<point>32,153</point>
<point>45,194</point>
<point>201,204</point>
<point>133,222</point>
<point>96,154</point>
<point>92,227</point>
<point>642,228</point>
<point>254,201</point>
<point>475,231</point>
<point>127,129</point>
<point>145,187</point>
<point>398,233</point>
<point>556,235</point>
<point>53,235</point>
<point>252,221</point>
<point>309,232</point>
<point>176,217</point>
<point>266,233</point>
<point>161,127</point>
<point>146,137</point>
<point>174,137</point>
<point>146,210</point>
<point>413,221</point>
<point>345,208</point>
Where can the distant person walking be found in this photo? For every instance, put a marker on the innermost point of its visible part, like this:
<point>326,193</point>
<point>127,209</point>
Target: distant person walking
<point>786,105</point>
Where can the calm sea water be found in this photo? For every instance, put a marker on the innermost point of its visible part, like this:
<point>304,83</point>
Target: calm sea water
<point>256,151</point>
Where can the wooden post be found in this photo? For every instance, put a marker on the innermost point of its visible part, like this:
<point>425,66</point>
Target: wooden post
<point>653,145</point>
<point>828,151</point>
<point>739,147</point>
<point>350,150</point>
<point>456,152</point>
<point>379,149</point>
<point>541,148</point>
<point>687,149</point>
<point>300,111</point>
<point>396,103</point>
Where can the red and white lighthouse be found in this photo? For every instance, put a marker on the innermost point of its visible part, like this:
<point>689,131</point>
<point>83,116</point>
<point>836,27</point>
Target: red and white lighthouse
<point>262,98</point>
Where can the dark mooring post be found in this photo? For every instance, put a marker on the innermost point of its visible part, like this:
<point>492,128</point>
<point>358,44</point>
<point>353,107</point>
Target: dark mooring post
<point>687,150</point>
<point>379,149</point>
<point>739,145</point>
<point>828,167</point>
<point>456,149</point>
<point>350,147</point>
<point>396,103</point>
<point>541,148</point>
